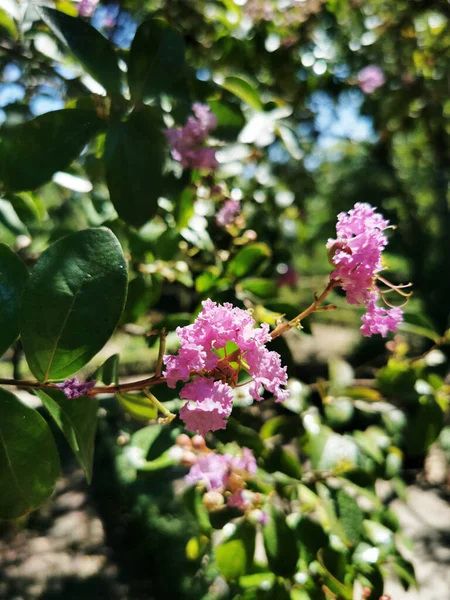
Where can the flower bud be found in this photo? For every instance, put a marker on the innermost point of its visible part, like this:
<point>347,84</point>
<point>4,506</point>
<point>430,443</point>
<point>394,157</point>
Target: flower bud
<point>213,500</point>
<point>183,440</point>
<point>188,459</point>
<point>198,442</point>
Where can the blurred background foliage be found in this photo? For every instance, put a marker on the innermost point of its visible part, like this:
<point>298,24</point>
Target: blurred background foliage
<point>298,142</point>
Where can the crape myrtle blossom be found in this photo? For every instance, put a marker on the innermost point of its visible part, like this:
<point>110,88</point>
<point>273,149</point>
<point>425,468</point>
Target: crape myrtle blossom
<point>209,394</point>
<point>357,255</point>
<point>188,142</point>
<point>74,388</point>
<point>226,215</point>
<point>224,476</point>
<point>370,78</point>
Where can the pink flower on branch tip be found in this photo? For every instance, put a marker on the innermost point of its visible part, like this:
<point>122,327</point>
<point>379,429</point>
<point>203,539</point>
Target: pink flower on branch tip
<point>188,142</point>
<point>356,254</point>
<point>73,388</point>
<point>226,215</point>
<point>211,394</point>
<point>370,78</point>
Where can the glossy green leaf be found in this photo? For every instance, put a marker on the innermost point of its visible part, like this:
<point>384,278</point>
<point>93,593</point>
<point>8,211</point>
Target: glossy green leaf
<point>280,544</point>
<point>31,152</point>
<point>244,91</point>
<point>13,277</point>
<point>134,160</point>
<point>77,419</point>
<point>156,60</point>
<point>138,406</point>
<point>72,302</point>
<point>29,463</point>
<point>10,219</point>
<point>248,259</point>
<point>93,50</point>
<point>107,372</point>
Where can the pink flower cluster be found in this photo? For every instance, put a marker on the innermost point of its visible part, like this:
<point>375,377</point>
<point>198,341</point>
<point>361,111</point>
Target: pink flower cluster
<point>224,474</point>
<point>188,142</point>
<point>357,256</point>
<point>226,215</point>
<point>209,394</point>
<point>370,78</point>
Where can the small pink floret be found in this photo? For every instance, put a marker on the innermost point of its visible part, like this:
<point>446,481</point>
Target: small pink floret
<point>188,142</point>
<point>370,78</point>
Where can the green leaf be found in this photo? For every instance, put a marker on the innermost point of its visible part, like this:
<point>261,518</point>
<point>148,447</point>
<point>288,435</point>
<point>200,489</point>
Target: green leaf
<point>29,463</point>
<point>231,559</point>
<point>7,25</point>
<point>264,288</point>
<point>156,60</point>
<point>93,50</point>
<point>244,91</point>
<point>134,160</point>
<point>284,460</point>
<point>31,152</point>
<point>107,372</point>
<point>350,516</point>
<point>280,544</point>
<point>193,501</point>
<point>10,219</point>
<point>235,556</point>
<point>13,277</point>
<point>248,259</point>
<point>138,406</point>
<point>77,419</point>
<point>72,302</point>
<point>332,564</point>
<point>424,426</point>
<point>404,570</point>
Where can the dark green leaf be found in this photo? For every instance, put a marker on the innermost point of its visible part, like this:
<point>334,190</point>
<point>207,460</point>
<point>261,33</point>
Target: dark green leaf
<point>10,219</point>
<point>280,544</point>
<point>13,277</point>
<point>72,302</point>
<point>248,259</point>
<point>107,372</point>
<point>333,565</point>
<point>350,516</point>
<point>424,426</point>
<point>90,47</point>
<point>156,61</point>
<point>193,500</point>
<point>134,160</point>
<point>29,464</point>
<point>31,152</point>
<point>77,419</point>
<point>264,288</point>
